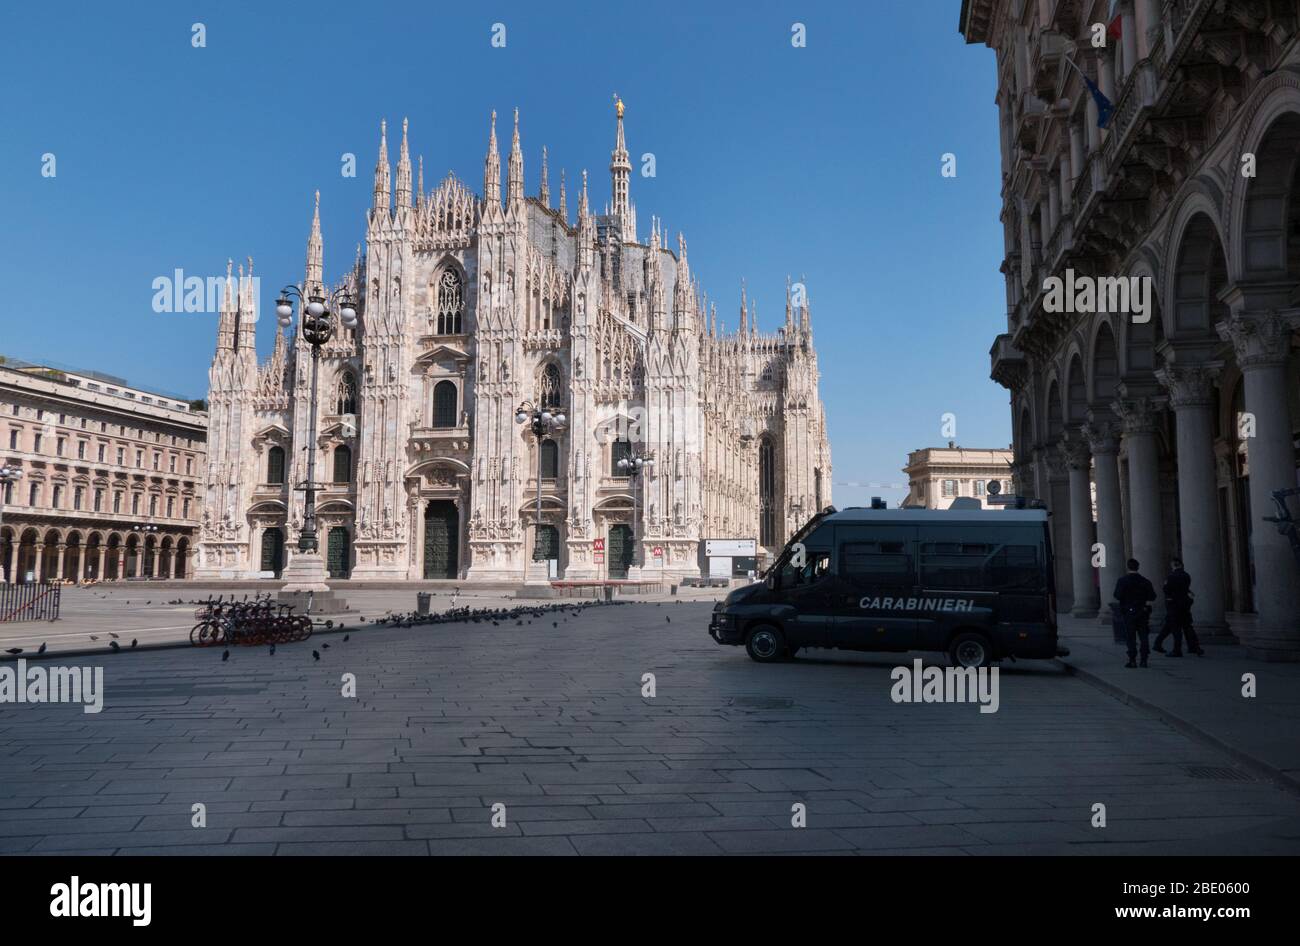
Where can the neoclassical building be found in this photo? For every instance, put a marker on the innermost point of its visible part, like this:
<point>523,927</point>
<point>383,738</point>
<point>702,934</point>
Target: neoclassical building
<point>110,477</point>
<point>1184,422</point>
<point>938,475</point>
<point>469,306</point>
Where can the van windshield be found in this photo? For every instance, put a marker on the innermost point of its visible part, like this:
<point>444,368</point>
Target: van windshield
<point>797,537</point>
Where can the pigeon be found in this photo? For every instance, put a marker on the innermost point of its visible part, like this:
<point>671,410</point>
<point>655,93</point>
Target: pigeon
<point>316,654</point>
<point>272,650</point>
<point>114,646</point>
<point>41,649</point>
<point>225,655</point>
<point>134,641</point>
<point>345,638</point>
<point>14,650</point>
<point>324,646</point>
<point>112,635</point>
<point>554,624</point>
<point>669,620</point>
<point>93,637</point>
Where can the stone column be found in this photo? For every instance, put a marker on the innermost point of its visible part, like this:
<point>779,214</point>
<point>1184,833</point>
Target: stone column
<point>1261,342</point>
<point>58,566</point>
<point>1140,416</point>
<point>40,553</point>
<point>1079,463</point>
<point>1148,24</point>
<point>1191,391</point>
<point>157,562</point>
<point>1103,439</point>
<point>81,561</point>
<point>1076,151</point>
<point>1057,497</point>
<point>14,548</point>
<point>121,562</point>
<point>1129,39</point>
<point>171,563</point>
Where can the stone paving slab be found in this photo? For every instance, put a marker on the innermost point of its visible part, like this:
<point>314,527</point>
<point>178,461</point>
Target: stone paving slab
<point>549,722</point>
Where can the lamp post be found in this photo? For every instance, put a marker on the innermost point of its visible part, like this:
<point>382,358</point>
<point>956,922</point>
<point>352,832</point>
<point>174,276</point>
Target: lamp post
<point>542,421</point>
<point>8,474</point>
<point>633,466</point>
<point>316,323</point>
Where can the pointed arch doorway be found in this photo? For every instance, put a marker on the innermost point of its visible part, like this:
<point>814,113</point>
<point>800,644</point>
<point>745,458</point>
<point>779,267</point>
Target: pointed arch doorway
<point>441,539</point>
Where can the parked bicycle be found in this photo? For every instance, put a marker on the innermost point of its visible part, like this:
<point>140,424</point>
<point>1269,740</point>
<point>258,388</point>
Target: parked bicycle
<point>248,623</point>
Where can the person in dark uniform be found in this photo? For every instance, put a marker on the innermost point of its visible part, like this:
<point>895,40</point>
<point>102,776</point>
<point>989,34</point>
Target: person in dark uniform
<point>1178,613</point>
<point>1133,592</point>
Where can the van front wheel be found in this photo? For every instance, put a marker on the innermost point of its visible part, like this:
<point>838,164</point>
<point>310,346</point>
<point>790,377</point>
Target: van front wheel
<point>765,644</point>
<point>969,649</point>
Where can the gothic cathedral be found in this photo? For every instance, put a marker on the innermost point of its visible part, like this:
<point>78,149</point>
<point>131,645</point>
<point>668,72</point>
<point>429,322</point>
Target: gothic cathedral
<point>469,309</point>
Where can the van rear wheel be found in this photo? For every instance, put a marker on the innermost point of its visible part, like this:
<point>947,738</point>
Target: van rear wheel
<point>970,649</point>
<point>765,643</point>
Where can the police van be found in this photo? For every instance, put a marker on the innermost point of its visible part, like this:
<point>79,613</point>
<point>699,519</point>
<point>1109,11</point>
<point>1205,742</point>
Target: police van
<point>975,584</point>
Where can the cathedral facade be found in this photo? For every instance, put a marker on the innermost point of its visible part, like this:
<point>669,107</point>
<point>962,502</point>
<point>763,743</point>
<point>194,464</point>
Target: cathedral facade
<point>469,308</point>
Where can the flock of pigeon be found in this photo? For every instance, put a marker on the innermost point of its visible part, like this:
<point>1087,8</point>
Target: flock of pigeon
<point>520,614</point>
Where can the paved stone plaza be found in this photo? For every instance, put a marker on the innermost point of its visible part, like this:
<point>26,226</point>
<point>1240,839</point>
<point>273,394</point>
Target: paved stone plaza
<point>450,720</point>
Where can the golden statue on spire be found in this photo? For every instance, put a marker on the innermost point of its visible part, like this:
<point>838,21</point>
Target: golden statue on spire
<point>618,105</point>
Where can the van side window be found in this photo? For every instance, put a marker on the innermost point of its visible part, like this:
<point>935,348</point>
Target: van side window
<point>956,565</point>
<point>875,561</point>
<point>1017,568</point>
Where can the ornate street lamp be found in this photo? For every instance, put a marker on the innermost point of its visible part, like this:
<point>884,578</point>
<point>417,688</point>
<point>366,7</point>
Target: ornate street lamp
<point>8,474</point>
<point>318,315</point>
<point>542,421</point>
<point>633,466</point>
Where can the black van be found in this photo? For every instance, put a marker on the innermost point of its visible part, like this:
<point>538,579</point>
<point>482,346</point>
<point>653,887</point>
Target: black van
<point>975,584</point>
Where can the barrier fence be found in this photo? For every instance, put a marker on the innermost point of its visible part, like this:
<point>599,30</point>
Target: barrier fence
<point>33,601</point>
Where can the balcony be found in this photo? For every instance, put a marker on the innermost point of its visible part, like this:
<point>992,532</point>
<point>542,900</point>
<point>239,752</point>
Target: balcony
<point>442,440</point>
<point>1007,363</point>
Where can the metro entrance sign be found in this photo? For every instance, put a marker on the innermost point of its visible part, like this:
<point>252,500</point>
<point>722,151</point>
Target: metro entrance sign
<point>598,545</point>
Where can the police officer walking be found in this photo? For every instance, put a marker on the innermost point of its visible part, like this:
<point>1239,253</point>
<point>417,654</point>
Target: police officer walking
<point>1178,613</point>
<point>1133,592</point>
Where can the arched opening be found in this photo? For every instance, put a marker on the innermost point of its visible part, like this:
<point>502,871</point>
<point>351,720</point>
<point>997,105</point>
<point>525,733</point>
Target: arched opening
<point>441,539</point>
<point>275,466</point>
<point>92,567</point>
<point>1105,369</point>
<point>444,404</point>
<point>767,501</point>
<point>272,557</point>
<point>620,449</point>
<point>549,394</point>
<point>1200,274</point>
<point>8,546</point>
<point>150,556</point>
<point>449,302</point>
<point>1271,211</point>
<point>182,557</point>
<point>1076,391</point>
<point>342,464</point>
<point>548,388</point>
<point>346,401</point>
<point>338,552</point>
<point>132,556</point>
<point>114,564</point>
<point>550,460</point>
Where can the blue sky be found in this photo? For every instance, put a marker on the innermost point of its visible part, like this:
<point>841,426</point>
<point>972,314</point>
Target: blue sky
<point>822,161</point>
